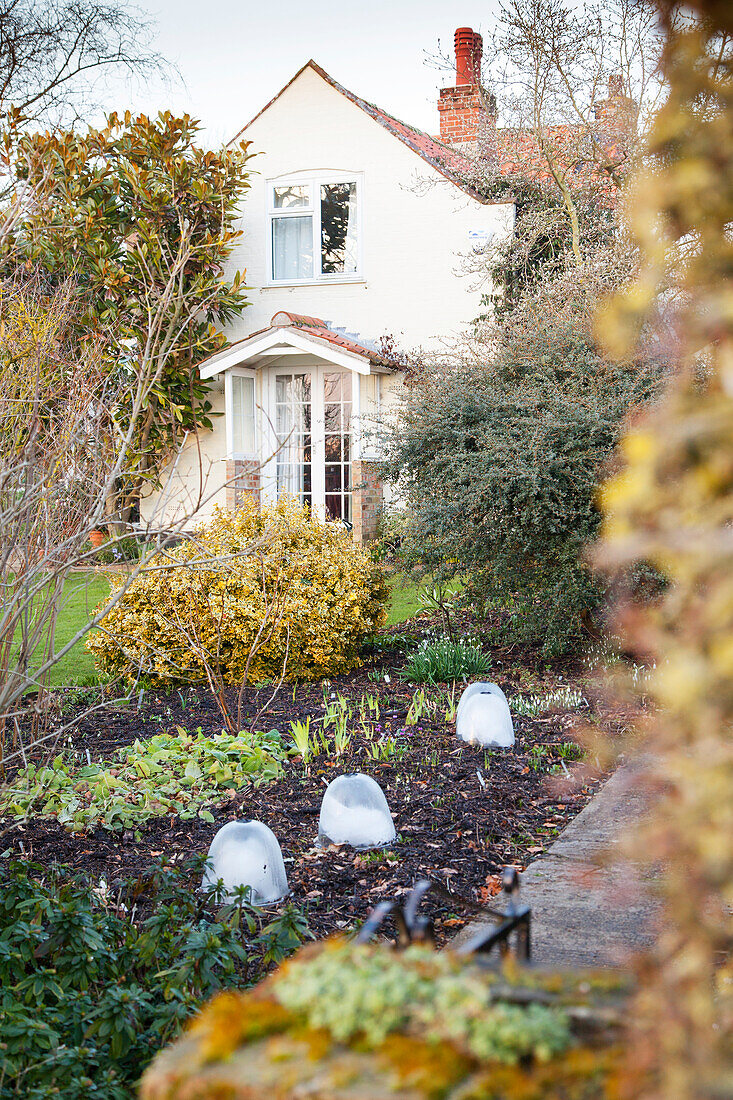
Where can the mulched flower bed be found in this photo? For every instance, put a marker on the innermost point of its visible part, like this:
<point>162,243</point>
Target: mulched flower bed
<point>461,814</point>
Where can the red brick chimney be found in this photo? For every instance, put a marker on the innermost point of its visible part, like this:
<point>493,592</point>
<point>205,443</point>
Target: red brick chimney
<point>463,107</point>
<point>617,115</point>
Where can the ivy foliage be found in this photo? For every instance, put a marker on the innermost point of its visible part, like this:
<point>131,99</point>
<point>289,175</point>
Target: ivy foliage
<point>257,592</point>
<point>172,773</point>
<point>90,989</point>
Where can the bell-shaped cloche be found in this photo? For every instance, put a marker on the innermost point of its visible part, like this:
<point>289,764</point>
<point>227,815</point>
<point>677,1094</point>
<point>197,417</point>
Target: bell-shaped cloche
<point>354,811</point>
<point>246,853</point>
<point>483,717</point>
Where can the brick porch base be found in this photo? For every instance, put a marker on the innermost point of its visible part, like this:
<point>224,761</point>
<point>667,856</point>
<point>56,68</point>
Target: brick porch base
<point>243,479</point>
<point>366,501</point>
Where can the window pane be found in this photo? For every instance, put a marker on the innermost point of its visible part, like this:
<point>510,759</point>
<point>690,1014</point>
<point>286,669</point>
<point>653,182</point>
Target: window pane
<point>292,248</point>
<point>291,196</point>
<point>292,423</point>
<point>337,408</point>
<point>338,228</point>
<point>243,409</point>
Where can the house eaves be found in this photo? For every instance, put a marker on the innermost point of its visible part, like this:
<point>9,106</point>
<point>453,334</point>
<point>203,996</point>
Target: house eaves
<point>452,165</point>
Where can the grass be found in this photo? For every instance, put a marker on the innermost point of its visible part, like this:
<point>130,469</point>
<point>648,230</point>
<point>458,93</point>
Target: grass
<point>82,593</point>
<point>404,600</point>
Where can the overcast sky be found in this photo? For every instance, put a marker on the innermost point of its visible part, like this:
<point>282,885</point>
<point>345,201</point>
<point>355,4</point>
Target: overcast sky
<point>234,56</point>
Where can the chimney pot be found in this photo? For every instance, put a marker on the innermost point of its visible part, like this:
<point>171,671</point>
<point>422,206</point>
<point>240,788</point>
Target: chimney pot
<point>469,47</point>
<point>463,108</point>
<point>615,86</point>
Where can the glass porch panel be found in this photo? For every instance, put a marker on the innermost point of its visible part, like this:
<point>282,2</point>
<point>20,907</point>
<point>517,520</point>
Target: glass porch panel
<point>293,433</point>
<point>337,418</point>
<point>243,410</point>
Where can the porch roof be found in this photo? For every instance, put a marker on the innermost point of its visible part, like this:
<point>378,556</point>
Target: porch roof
<point>298,334</point>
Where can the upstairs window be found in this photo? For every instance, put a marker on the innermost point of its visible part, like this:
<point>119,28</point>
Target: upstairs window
<point>314,229</point>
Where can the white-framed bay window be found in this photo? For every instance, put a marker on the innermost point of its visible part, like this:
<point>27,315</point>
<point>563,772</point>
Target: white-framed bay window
<point>314,222</point>
<point>241,413</point>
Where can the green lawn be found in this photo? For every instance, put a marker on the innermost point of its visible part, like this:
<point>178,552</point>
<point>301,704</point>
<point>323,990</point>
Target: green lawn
<point>403,601</point>
<point>83,591</point>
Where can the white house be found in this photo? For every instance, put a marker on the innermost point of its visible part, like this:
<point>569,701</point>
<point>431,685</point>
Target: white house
<point>354,229</point>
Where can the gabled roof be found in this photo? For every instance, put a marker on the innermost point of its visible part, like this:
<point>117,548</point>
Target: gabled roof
<point>301,333</point>
<point>449,162</point>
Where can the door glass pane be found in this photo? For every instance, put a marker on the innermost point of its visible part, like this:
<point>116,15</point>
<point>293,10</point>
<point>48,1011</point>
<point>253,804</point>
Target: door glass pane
<point>338,228</point>
<point>293,431</point>
<point>292,248</point>
<point>243,409</point>
<point>337,409</point>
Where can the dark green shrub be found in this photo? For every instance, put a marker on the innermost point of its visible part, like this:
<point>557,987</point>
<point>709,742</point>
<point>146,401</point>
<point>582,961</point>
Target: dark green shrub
<point>93,982</point>
<point>119,550</point>
<point>498,457</point>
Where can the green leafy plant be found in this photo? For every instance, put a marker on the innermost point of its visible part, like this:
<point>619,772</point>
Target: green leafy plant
<point>388,643</point>
<point>369,708</point>
<point>94,980</point>
<point>341,735</point>
<point>419,705</point>
<point>539,757</point>
<point>451,706</point>
<point>442,598</point>
<point>441,660</point>
<point>306,743</point>
<point>170,773</point>
<point>384,748</point>
<point>568,750</point>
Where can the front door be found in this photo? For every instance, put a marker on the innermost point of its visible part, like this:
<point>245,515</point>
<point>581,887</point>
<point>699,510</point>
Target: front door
<point>311,412</point>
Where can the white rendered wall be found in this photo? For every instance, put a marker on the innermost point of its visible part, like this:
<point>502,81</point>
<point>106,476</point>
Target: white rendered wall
<point>415,225</point>
<point>196,474</point>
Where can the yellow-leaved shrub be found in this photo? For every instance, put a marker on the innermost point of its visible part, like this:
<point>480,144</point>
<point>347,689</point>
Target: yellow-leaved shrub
<point>272,586</point>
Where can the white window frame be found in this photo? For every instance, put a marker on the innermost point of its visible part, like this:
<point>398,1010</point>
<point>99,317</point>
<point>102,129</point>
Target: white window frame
<point>240,372</point>
<point>315,179</point>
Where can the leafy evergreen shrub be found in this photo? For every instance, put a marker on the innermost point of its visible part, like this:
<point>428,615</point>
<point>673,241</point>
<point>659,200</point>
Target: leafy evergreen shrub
<point>90,990</point>
<point>499,457</point>
<point>266,583</point>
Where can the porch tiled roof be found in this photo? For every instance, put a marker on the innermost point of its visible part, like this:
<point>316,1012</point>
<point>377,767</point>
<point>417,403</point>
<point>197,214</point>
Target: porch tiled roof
<point>309,326</point>
<point>314,326</point>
